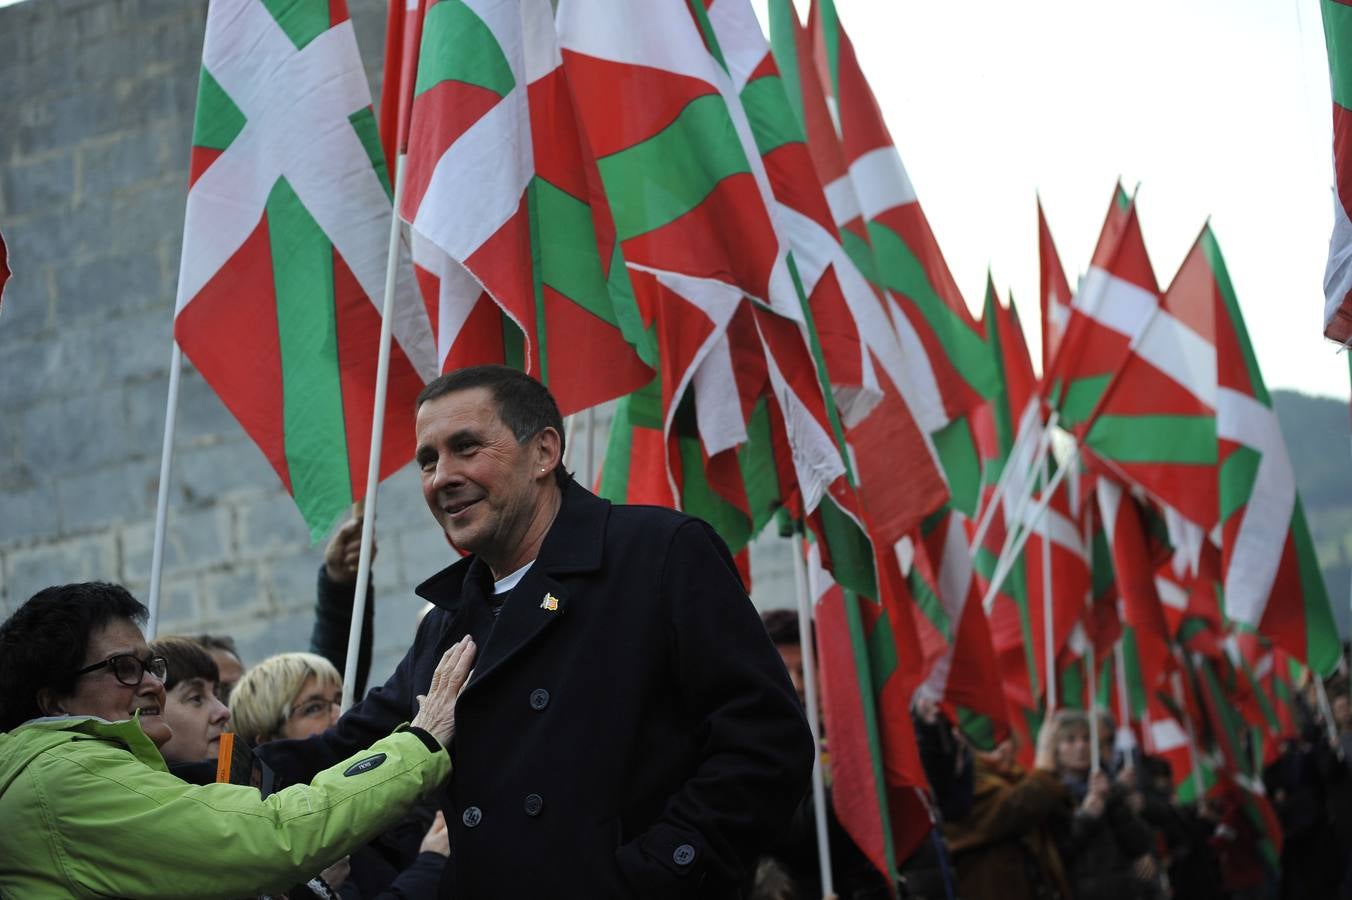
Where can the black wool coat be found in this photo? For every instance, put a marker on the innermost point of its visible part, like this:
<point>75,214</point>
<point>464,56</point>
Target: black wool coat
<point>628,731</point>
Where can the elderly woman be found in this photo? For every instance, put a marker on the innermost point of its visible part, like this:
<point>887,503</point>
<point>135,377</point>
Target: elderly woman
<point>89,808</point>
<point>1105,846</point>
<point>287,696</point>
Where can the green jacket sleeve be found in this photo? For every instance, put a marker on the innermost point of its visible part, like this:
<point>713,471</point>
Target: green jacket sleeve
<point>121,828</point>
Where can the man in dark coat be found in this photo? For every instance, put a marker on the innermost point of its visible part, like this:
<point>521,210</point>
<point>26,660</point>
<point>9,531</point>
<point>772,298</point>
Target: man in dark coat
<point>629,730</point>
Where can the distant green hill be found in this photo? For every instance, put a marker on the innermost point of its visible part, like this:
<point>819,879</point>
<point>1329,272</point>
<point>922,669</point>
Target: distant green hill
<point>1319,435</point>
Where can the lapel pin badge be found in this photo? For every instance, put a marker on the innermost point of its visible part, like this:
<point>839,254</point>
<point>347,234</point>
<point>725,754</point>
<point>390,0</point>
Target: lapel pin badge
<point>550,603</point>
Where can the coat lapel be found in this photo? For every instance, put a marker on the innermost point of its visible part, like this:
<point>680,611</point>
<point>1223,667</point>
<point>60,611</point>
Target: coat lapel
<point>574,544</point>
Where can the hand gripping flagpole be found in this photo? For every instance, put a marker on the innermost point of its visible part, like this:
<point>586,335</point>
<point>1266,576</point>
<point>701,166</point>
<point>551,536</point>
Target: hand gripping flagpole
<point>368,519</point>
<point>807,644</point>
<point>162,499</point>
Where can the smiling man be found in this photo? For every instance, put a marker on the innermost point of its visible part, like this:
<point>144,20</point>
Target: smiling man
<point>629,730</point>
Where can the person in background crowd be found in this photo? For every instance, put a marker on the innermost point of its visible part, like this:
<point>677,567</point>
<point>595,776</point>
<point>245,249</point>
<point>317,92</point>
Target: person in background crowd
<point>227,659</point>
<point>292,696</point>
<point>629,730</point>
<point>1003,848</point>
<point>82,705</point>
<point>1300,783</point>
<point>1104,846</point>
<point>194,712</point>
<point>335,595</point>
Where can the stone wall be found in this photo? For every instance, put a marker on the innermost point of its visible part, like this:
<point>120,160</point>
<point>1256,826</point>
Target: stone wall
<point>94,136</point>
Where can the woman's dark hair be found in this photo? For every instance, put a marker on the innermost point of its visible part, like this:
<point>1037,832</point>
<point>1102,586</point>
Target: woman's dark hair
<point>525,405</point>
<point>43,644</point>
<point>185,659</point>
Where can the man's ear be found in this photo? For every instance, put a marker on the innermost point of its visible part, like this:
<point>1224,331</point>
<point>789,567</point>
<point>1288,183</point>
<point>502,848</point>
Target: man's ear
<point>548,447</point>
<point>49,703</point>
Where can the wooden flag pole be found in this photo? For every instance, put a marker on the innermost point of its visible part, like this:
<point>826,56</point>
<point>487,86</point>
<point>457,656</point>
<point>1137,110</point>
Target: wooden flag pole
<point>368,520</point>
<point>162,498</point>
<point>807,645</point>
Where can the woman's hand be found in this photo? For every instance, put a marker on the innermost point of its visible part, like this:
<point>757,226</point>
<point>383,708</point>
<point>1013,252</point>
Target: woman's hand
<point>436,708</point>
<point>437,840</point>
<point>1096,798</point>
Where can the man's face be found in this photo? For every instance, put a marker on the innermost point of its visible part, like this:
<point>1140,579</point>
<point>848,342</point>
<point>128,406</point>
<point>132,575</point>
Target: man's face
<point>483,488</point>
<point>231,670</point>
<point>1072,750</point>
<point>197,718</point>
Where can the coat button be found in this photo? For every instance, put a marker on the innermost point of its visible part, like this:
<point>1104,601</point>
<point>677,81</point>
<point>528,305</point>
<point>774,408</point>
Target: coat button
<point>472,816</point>
<point>539,699</point>
<point>534,803</point>
<point>684,855</point>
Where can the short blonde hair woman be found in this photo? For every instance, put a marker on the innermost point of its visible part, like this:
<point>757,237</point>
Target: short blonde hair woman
<point>290,695</point>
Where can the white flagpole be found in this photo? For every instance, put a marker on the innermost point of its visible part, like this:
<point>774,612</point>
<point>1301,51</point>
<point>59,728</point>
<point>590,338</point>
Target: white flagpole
<point>1123,694</point>
<point>1002,484</point>
<point>1095,758</point>
<point>162,499</point>
<point>806,641</point>
<point>368,520</point>
<point>591,447</point>
<point>1049,630</point>
<point>1324,707</point>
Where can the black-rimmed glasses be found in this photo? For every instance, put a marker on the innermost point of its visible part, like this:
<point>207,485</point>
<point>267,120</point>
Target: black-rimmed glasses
<point>129,669</point>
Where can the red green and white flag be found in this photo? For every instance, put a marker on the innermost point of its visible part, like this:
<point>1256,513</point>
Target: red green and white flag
<point>1155,426</point>
<point>4,267</point>
<point>1272,579</point>
<point>907,255</point>
<point>515,245</point>
<point>284,245</point>
<point>1114,302</point>
<point>1337,16</point>
<point>1056,296</point>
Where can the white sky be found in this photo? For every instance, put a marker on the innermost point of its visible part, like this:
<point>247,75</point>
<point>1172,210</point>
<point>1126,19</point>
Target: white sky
<point>1216,107</point>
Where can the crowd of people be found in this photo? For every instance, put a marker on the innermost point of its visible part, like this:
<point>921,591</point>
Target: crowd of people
<point>1067,830</point>
<point>590,707</point>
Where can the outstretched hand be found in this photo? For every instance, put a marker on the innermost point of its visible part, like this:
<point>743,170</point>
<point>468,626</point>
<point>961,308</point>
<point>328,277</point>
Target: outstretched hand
<point>436,708</point>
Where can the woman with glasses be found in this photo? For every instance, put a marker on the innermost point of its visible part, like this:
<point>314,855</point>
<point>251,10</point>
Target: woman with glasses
<point>88,807</point>
<point>287,696</point>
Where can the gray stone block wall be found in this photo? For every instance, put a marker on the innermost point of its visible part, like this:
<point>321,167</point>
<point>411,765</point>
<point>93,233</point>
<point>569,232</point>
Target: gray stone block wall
<point>94,138</point>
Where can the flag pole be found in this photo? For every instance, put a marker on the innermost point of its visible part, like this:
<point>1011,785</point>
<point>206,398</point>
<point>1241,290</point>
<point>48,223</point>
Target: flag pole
<point>1002,483</point>
<point>591,446</point>
<point>1095,757</point>
<point>1324,708</point>
<point>807,645</point>
<point>1123,695</point>
<point>368,521</point>
<point>162,498</point>
<point>1048,628</point>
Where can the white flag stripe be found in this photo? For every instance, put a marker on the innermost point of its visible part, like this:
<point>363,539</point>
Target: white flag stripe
<point>880,181</point>
<point>1181,353</point>
<point>816,459</point>
<point>1338,273</point>
<point>1115,303</point>
<point>718,408</point>
<point>486,170</point>
<point>844,203</point>
<point>1166,735</point>
<point>1256,555</point>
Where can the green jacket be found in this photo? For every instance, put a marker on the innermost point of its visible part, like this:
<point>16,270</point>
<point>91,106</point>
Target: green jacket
<point>89,809</point>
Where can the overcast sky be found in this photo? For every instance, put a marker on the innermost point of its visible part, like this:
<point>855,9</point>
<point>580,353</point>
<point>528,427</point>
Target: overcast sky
<point>1216,107</point>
